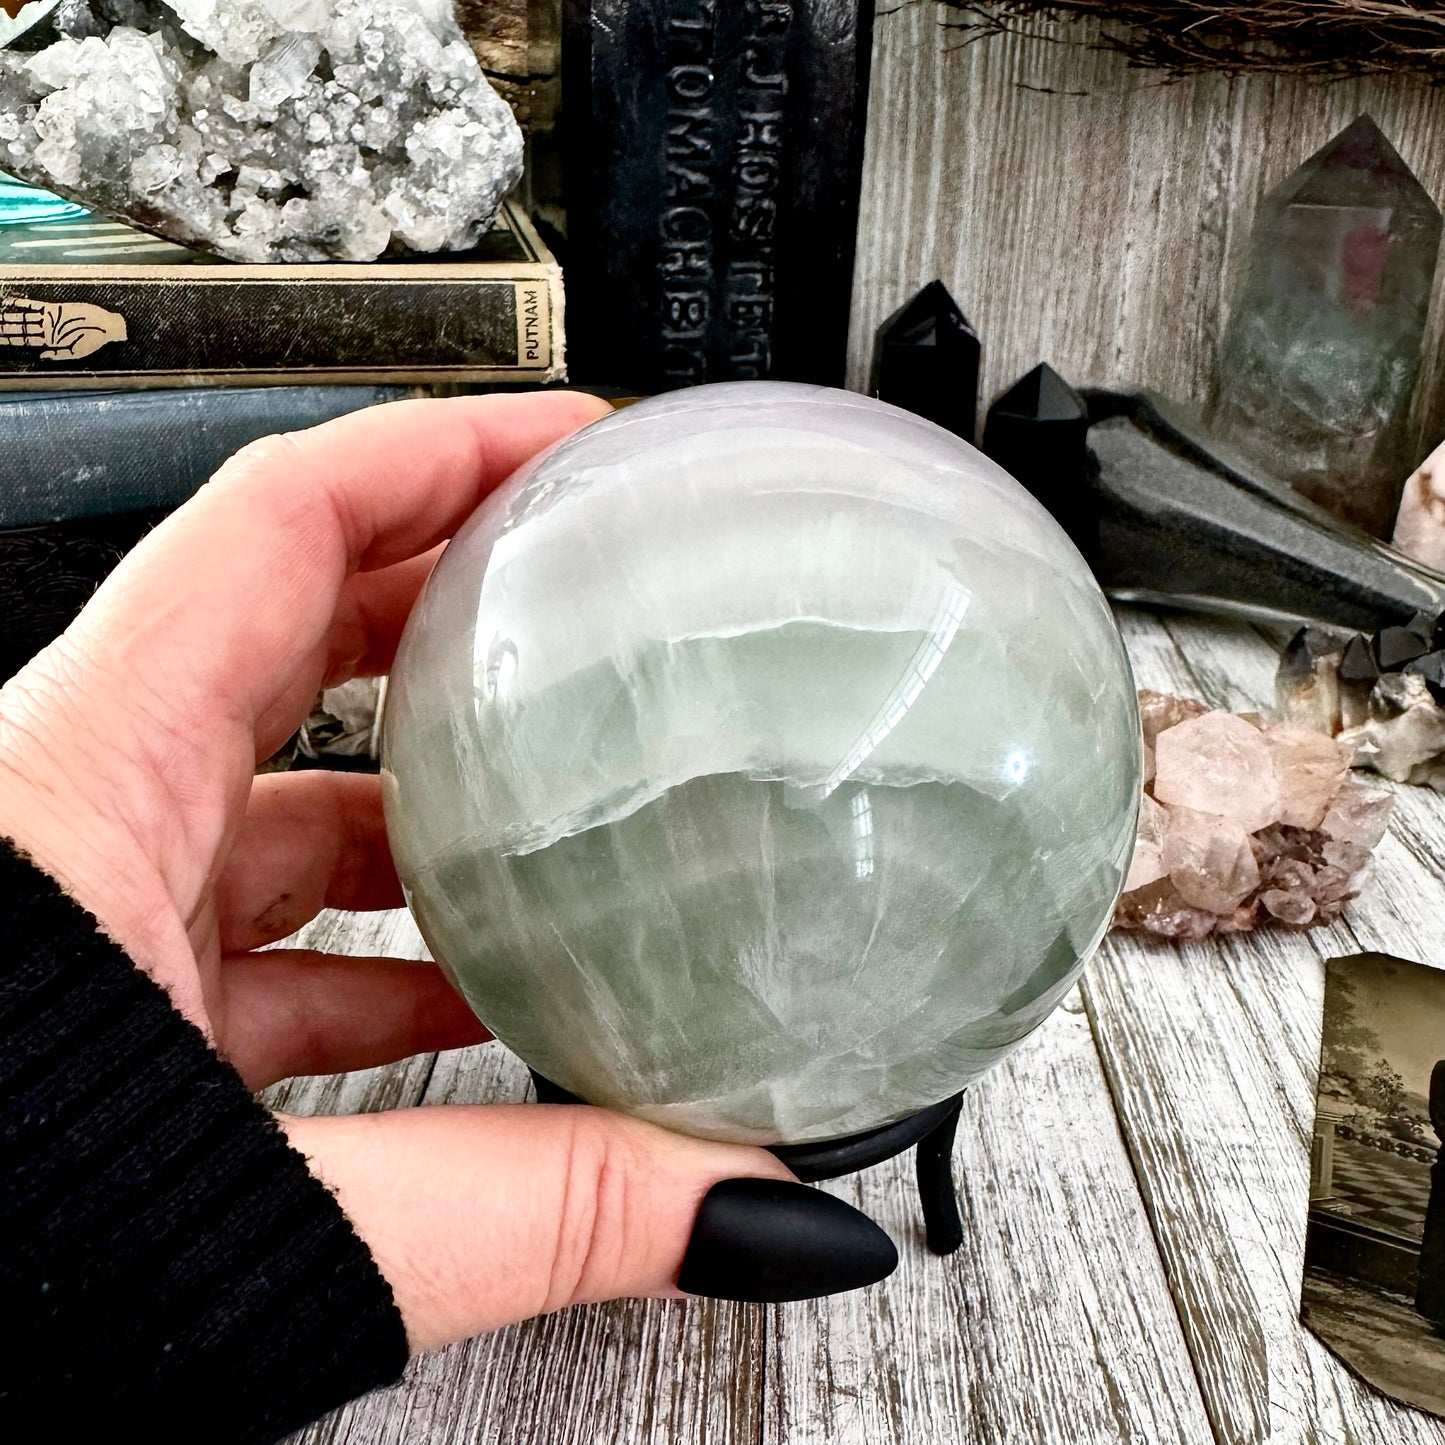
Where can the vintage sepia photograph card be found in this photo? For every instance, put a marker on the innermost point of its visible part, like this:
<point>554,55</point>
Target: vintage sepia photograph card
<point>1374,1277</point>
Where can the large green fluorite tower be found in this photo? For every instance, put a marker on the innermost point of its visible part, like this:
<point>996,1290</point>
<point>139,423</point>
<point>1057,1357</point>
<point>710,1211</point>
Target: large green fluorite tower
<point>762,761</point>
<point>1322,350</point>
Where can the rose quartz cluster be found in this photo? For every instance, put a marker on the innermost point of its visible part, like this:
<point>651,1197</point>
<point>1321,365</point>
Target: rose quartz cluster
<point>1244,822</point>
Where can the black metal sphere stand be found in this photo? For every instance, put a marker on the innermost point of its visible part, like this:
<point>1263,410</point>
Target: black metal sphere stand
<point>931,1130</point>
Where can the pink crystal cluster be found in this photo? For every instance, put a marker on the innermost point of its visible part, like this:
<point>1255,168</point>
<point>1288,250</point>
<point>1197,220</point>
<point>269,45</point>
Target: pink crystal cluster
<point>1244,823</point>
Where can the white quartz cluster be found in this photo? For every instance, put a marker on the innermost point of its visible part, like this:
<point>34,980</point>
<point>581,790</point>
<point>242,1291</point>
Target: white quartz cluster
<point>264,130</point>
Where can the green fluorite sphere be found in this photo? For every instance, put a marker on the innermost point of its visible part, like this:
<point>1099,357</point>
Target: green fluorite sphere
<point>762,761</point>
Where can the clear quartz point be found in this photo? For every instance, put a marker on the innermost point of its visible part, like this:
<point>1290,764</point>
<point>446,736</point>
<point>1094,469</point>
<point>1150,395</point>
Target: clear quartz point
<point>1322,347</point>
<point>1322,350</point>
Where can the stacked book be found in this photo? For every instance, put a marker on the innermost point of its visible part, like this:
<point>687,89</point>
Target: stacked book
<point>130,368</point>
<point>86,302</point>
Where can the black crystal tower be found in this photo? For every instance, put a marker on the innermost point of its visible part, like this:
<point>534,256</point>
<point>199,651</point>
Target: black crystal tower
<point>713,155</point>
<point>1038,432</point>
<point>927,359</point>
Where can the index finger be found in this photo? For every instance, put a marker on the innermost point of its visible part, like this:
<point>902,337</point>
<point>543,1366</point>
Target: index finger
<point>223,603</point>
<point>392,481</point>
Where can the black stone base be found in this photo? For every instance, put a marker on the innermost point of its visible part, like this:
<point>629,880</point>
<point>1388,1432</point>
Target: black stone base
<point>931,1130</point>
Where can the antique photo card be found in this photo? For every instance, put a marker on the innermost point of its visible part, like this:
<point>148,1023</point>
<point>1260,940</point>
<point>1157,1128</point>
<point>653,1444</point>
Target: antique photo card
<point>1374,1277</point>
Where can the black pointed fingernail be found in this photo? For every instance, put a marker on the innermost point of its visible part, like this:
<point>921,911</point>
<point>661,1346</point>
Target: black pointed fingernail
<point>767,1240</point>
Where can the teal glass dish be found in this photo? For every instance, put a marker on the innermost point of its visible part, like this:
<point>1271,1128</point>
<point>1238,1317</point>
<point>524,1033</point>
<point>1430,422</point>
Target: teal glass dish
<point>23,205</point>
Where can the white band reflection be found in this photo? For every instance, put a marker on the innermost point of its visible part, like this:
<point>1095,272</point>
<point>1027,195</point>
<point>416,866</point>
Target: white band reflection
<point>921,666</point>
<point>862,806</point>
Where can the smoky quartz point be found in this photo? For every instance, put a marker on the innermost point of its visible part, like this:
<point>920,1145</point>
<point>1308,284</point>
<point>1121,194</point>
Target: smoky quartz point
<point>1322,351</point>
<point>762,761</point>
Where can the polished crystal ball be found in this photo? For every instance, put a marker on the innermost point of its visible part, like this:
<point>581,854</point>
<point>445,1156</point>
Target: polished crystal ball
<point>762,761</point>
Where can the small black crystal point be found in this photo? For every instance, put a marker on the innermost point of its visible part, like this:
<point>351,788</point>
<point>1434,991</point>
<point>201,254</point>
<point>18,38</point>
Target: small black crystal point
<point>1038,432</point>
<point>1432,668</point>
<point>1395,646</point>
<point>1357,662</point>
<point>1423,625</point>
<point>926,361</point>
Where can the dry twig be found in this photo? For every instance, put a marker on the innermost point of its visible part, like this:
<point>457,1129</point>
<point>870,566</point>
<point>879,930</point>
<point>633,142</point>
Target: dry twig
<point>1323,37</point>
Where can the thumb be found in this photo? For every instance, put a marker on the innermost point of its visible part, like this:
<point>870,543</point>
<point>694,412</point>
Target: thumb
<point>482,1215</point>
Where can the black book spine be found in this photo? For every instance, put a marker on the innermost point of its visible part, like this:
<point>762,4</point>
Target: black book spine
<point>713,158</point>
<point>85,475</point>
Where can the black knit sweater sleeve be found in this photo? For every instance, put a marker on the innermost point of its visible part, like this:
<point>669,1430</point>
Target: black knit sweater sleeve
<point>167,1262</point>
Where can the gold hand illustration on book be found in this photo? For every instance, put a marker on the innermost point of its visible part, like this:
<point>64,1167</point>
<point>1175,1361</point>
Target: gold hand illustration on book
<point>65,330</point>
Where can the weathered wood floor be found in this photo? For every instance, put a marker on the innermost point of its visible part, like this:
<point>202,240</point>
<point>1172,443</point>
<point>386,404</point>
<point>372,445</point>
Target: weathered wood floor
<point>1134,1184</point>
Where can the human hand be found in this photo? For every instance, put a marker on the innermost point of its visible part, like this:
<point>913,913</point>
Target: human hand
<point>60,330</point>
<point>293,569</point>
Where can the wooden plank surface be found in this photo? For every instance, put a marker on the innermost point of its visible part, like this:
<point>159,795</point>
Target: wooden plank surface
<point>1087,214</point>
<point>1134,1184</point>
<point>1054,1320</point>
<point>1212,1053</point>
<point>1050,1324</point>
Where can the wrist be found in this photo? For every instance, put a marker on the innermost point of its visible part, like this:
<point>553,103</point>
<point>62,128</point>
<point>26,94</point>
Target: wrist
<point>54,819</point>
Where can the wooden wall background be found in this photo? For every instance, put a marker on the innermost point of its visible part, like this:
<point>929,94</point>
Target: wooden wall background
<point>1082,212</point>
<point>1087,214</point>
